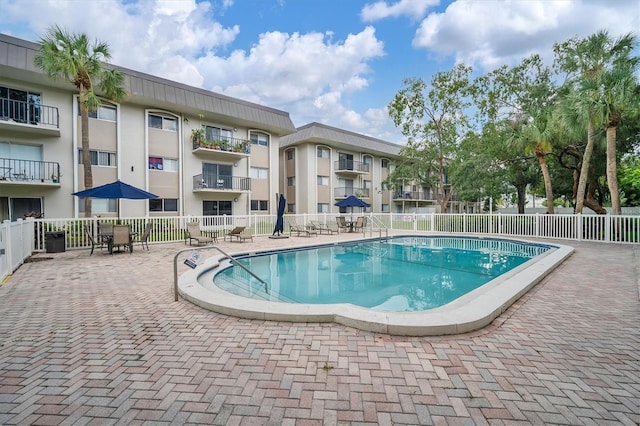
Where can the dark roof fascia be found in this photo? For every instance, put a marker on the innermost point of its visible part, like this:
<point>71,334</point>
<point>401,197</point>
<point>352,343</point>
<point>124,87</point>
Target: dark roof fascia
<point>319,133</point>
<point>244,112</point>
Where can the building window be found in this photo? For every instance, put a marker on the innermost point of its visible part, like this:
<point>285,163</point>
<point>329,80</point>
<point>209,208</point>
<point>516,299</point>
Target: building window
<point>163,205</point>
<point>384,163</point>
<point>258,173</point>
<point>323,180</point>
<point>291,208</point>
<point>323,208</point>
<point>216,208</point>
<point>99,158</point>
<point>103,112</point>
<point>259,205</point>
<point>166,164</point>
<point>384,186</point>
<point>323,152</point>
<point>162,122</point>
<point>214,134</point>
<point>291,181</point>
<point>385,208</point>
<point>258,138</point>
<point>366,159</point>
<point>290,154</point>
<point>100,205</point>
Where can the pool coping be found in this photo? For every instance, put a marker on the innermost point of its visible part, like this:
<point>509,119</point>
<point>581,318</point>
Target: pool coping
<point>470,312</point>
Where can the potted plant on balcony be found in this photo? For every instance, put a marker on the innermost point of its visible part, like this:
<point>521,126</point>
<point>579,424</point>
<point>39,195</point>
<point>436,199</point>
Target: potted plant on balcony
<point>241,147</point>
<point>198,137</point>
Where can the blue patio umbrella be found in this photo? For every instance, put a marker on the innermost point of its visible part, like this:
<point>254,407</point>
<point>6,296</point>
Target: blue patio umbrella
<point>279,228</point>
<point>352,201</point>
<point>116,190</point>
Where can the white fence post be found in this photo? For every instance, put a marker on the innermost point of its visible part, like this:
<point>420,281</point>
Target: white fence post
<point>579,227</point>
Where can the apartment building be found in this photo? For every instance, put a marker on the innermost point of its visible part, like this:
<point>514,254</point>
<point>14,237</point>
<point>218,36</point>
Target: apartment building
<point>200,152</point>
<point>321,165</point>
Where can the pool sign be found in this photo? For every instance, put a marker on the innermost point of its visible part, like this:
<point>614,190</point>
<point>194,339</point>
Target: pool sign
<point>194,259</point>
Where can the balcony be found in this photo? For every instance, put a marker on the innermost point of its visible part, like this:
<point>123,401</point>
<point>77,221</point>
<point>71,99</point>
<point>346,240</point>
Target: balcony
<point>29,118</point>
<point>225,147</point>
<point>346,191</point>
<point>351,167</point>
<point>221,184</point>
<point>419,196</point>
<point>28,172</point>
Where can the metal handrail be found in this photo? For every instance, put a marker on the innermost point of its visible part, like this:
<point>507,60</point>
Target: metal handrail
<point>231,258</point>
<point>381,227</point>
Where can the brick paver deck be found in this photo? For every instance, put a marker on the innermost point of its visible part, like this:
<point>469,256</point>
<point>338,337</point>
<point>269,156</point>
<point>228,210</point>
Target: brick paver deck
<point>99,340</point>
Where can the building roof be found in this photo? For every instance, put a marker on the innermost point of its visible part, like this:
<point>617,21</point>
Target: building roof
<point>16,61</point>
<point>333,136</point>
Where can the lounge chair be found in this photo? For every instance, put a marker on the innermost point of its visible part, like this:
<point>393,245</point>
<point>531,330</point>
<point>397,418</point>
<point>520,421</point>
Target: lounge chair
<point>121,238</point>
<point>235,232</point>
<point>324,228</point>
<point>145,236</point>
<point>342,224</point>
<point>243,236</point>
<point>194,233</point>
<point>299,230</point>
<point>332,227</point>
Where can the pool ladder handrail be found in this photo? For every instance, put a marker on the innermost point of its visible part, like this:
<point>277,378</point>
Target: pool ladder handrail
<point>381,227</point>
<point>228,256</point>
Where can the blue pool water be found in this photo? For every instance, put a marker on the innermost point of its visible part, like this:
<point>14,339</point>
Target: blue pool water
<point>397,274</point>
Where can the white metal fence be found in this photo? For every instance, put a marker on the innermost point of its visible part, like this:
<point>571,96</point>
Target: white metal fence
<point>19,239</point>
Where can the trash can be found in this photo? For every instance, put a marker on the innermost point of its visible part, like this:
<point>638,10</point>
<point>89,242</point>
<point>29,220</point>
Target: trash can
<point>54,241</point>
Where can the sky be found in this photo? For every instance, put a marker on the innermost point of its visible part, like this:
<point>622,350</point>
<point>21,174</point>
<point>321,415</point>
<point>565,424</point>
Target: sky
<point>337,62</point>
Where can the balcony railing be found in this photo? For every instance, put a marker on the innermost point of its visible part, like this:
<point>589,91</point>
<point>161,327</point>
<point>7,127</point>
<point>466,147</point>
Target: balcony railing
<point>228,144</point>
<point>24,171</point>
<point>351,166</point>
<point>29,113</point>
<point>346,191</point>
<point>420,196</point>
<point>221,183</point>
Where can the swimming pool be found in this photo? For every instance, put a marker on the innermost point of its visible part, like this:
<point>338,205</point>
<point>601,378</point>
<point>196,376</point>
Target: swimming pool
<point>470,311</point>
<point>395,274</point>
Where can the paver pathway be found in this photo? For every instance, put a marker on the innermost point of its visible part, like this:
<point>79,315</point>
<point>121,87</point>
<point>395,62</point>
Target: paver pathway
<point>99,340</point>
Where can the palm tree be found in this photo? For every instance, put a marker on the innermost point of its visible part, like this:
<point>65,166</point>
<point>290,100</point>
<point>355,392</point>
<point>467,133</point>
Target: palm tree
<point>606,83</point>
<point>71,57</point>
<point>537,139</point>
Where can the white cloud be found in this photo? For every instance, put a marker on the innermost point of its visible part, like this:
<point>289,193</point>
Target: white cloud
<point>282,68</point>
<point>414,9</point>
<point>493,32</point>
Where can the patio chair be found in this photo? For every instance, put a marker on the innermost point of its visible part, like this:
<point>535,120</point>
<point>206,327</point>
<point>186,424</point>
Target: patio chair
<point>92,241</point>
<point>234,232</point>
<point>194,233</point>
<point>342,224</point>
<point>105,231</point>
<point>299,230</point>
<point>360,225</point>
<point>121,238</point>
<point>143,239</point>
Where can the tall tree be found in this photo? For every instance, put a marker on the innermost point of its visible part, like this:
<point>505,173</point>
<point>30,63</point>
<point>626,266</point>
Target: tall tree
<point>603,71</point>
<point>433,118</point>
<point>71,57</point>
<point>524,95</point>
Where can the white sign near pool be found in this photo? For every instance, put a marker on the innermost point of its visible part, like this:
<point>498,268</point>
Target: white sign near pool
<point>194,259</point>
